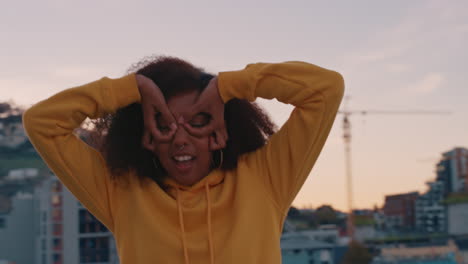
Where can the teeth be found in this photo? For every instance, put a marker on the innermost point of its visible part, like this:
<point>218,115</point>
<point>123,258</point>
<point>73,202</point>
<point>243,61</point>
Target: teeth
<point>183,158</point>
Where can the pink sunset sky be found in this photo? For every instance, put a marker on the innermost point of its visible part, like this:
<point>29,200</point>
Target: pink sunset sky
<point>394,55</point>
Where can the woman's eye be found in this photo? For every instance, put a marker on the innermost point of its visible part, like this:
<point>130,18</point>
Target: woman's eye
<point>197,125</point>
<point>200,120</point>
<point>161,124</point>
<point>163,128</point>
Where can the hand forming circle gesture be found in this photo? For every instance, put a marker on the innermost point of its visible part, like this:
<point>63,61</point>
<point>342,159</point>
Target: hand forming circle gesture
<point>153,102</point>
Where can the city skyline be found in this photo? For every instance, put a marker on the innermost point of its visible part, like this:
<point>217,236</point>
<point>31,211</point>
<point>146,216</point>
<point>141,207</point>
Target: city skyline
<point>394,56</point>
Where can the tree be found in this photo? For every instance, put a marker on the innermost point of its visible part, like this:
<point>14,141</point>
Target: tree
<point>302,219</point>
<point>10,109</point>
<point>293,212</point>
<point>326,215</point>
<point>4,107</point>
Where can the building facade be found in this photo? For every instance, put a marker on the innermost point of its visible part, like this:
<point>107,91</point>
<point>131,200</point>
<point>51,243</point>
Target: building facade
<point>66,231</point>
<point>457,216</point>
<point>297,248</point>
<point>430,210</point>
<point>399,211</point>
<point>452,170</point>
<point>17,229</point>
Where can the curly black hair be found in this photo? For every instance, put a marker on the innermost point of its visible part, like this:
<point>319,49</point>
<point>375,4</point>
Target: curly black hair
<point>119,134</point>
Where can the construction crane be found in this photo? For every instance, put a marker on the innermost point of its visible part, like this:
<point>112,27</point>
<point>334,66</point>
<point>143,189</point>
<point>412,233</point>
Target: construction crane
<point>347,144</point>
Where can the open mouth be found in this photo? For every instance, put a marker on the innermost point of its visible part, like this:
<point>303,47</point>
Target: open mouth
<point>183,162</point>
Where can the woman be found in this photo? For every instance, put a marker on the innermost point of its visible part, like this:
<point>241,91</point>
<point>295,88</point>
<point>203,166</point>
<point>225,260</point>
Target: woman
<point>193,181</point>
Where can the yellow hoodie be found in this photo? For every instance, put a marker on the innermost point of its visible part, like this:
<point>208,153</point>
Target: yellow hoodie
<point>229,216</point>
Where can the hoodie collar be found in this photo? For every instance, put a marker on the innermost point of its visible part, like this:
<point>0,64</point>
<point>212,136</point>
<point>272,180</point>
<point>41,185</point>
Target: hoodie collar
<point>214,178</point>
<point>175,190</point>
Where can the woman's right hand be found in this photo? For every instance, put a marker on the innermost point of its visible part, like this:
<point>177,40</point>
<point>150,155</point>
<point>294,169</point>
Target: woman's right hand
<point>210,102</point>
<point>152,103</point>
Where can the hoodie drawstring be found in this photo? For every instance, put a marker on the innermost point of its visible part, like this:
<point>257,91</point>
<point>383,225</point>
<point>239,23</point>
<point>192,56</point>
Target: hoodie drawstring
<point>208,218</point>
<point>181,222</point>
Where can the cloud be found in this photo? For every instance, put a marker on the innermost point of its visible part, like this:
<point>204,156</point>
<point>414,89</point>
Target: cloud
<point>428,84</point>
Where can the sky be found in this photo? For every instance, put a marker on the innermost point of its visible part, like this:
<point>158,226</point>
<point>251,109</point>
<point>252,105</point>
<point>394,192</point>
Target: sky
<point>394,55</point>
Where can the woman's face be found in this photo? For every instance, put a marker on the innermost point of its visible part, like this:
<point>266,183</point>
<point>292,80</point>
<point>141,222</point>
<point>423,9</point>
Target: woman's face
<point>186,158</point>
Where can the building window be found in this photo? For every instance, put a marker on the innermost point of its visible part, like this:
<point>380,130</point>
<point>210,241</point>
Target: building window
<point>89,224</point>
<point>57,243</point>
<point>43,245</point>
<point>2,222</point>
<point>56,200</point>
<point>57,258</point>
<point>56,214</point>
<point>56,187</point>
<point>57,229</point>
<point>44,216</point>
<point>94,249</point>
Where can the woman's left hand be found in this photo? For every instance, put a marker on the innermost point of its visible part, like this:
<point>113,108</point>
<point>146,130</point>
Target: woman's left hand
<point>210,102</point>
<point>152,101</point>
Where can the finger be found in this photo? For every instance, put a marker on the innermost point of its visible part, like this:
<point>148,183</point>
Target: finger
<point>150,125</point>
<point>200,131</point>
<point>220,138</point>
<point>168,117</point>
<point>221,127</point>
<point>213,144</point>
<point>146,141</point>
<point>156,133</point>
<point>216,142</point>
<point>200,106</point>
<point>225,134</point>
<point>163,137</point>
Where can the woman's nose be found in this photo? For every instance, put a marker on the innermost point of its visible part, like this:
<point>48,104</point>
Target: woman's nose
<point>181,137</point>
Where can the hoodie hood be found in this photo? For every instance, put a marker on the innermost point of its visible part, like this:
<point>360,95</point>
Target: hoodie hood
<point>214,178</point>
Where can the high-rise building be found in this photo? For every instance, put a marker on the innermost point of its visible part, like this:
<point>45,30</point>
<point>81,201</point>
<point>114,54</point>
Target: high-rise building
<point>452,170</point>
<point>431,216</point>
<point>399,211</point>
<point>16,228</point>
<point>67,232</point>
